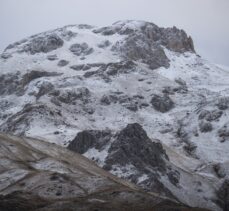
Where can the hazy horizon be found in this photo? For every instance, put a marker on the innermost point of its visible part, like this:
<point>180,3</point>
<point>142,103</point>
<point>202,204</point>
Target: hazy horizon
<point>206,21</point>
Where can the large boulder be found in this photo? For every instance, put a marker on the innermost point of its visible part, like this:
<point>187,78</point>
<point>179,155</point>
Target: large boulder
<point>81,49</point>
<point>205,126</point>
<point>162,103</point>
<point>62,63</point>
<point>223,103</point>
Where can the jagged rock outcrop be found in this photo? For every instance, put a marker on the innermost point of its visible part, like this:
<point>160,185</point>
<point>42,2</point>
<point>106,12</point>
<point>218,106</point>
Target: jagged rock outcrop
<point>130,147</point>
<point>172,38</point>
<point>144,43</point>
<point>130,154</point>
<point>139,48</point>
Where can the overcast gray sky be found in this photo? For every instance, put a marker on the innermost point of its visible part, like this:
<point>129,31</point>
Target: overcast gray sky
<point>207,21</point>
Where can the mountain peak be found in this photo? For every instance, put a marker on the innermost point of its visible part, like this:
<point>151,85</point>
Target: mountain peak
<point>58,83</point>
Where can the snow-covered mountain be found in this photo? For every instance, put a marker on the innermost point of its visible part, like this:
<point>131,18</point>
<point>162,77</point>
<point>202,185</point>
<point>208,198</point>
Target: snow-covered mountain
<point>58,83</point>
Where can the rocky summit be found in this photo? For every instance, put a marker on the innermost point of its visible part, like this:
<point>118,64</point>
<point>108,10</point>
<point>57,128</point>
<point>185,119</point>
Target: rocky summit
<point>133,97</point>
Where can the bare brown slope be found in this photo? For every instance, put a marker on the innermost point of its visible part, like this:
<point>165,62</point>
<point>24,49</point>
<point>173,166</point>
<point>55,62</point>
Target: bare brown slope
<point>36,175</point>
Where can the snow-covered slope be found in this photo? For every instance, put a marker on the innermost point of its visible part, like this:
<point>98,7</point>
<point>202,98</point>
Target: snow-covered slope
<point>58,83</point>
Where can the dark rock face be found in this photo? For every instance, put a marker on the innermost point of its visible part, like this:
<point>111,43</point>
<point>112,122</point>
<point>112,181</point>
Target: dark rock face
<point>162,103</point>
<point>132,146</point>
<point>139,48</point>
<point>223,194</point>
<point>205,126</point>
<point>172,38</point>
<point>177,40</point>
<point>81,49</point>
<point>44,44</point>
<point>88,139</point>
<point>144,42</point>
